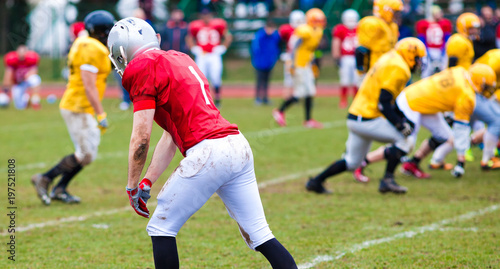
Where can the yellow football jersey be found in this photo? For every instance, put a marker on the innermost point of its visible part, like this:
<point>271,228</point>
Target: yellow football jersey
<point>377,36</point>
<point>311,38</point>
<point>390,73</point>
<point>460,47</point>
<point>492,59</point>
<point>85,51</point>
<point>449,90</point>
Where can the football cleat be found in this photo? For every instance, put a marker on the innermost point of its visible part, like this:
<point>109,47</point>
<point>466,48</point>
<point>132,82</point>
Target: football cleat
<point>493,164</point>
<point>279,117</point>
<point>313,124</point>
<point>469,156</point>
<point>411,169</point>
<point>389,185</point>
<point>62,195</point>
<point>41,184</point>
<point>441,166</point>
<point>316,186</point>
<point>358,175</point>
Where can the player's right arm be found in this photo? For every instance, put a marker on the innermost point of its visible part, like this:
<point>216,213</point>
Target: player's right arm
<point>7,78</point>
<point>162,156</point>
<point>336,44</point>
<point>138,152</point>
<point>89,78</point>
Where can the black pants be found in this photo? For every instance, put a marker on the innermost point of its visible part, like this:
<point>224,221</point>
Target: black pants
<point>262,85</point>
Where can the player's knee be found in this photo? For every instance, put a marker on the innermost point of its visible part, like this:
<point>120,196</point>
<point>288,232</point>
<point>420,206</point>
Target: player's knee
<point>86,158</point>
<point>435,142</point>
<point>255,237</point>
<point>494,128</point>
<point>353,163</point>
<point>34,80</point>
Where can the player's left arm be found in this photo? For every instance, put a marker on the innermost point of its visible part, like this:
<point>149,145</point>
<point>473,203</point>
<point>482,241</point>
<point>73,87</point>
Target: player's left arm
<point>228,39</point>
<point>162,156</point>
<point>138,153</point>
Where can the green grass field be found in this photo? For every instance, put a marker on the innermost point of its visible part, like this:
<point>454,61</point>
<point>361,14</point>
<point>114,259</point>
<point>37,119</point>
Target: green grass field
<point>442,222</point>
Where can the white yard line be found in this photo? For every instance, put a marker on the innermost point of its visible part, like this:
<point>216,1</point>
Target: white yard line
<point>437,226</point>
<point>81,218</point>
<point>250,135</point>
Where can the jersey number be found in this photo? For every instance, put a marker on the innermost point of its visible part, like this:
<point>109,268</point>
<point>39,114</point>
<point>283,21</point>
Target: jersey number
<point>202,85</point>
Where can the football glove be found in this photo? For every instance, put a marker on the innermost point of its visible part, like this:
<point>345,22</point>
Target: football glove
<point>139,196</point>
<point>458,170</point>
<point>405,128</point>
<point>102,122</point>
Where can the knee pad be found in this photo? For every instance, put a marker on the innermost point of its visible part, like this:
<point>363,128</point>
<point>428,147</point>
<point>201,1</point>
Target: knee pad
<point>393,153</point>
<point>34,80</point>
<point>85,158</point>
<point>435,142</point>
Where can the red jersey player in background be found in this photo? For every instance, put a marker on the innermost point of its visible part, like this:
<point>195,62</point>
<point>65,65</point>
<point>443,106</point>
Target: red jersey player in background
<point>296,18</point>
<point>208,39</point>
<point>168,87</point>
<point>21,74</point>
<point>344,43</point>
<point>434,32</point>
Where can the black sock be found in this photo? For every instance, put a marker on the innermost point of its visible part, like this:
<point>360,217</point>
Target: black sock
<point>287,103</point>
<point>165,252</point>
<point>67,164</point>
<point>336,168</point>
<point>308,103</point>
<point>67,177</point>
<point>415,160</point>
<point>276,254</point>
<point>217,93</point>
<point>393,156</point>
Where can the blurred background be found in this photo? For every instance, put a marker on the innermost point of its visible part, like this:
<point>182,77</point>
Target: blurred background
<point>45,25</point>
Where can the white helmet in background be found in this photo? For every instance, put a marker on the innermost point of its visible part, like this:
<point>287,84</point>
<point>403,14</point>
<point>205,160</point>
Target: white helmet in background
<point>128,38</point>
<point>297,17</point>
<point>350,18</point>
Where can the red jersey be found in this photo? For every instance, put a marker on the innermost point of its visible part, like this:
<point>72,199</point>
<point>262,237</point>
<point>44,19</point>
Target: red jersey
<point>208,35</point>
<point>435,34</point>
<point>171,83</point>
<point>348,39</point>
<point>286,31</point>
<point>21,67</point>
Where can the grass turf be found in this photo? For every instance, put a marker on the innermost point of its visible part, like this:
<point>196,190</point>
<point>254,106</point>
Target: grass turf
<point>307,224</point>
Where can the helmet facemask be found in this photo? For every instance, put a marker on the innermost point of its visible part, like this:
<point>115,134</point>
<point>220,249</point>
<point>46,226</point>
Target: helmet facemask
<point>121,60</point>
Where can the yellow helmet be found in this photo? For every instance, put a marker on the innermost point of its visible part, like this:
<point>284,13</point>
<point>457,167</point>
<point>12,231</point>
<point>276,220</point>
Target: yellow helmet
<point>316,18</point>
<point>466,22</point>
<point>412,50</point>
<point>386,9</point>
<point>483,79</point>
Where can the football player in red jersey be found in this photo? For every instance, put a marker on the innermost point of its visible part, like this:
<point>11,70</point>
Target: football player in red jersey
<point>168,87</point>
<point>208,39</point>
<point>296,18</point>
<point>21,73</point>
<point>344,43</point>
<point>434,32</point>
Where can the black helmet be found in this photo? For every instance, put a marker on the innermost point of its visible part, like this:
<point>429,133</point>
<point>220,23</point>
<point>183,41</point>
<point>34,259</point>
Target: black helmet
<point>98,23</point>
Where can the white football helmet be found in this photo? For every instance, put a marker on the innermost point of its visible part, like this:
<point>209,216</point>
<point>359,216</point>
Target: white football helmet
<point>350,18</point>
<point>297,17</point>
<point>128,38</point>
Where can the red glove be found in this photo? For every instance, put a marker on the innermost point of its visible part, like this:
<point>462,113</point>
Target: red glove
<point>139,196</point>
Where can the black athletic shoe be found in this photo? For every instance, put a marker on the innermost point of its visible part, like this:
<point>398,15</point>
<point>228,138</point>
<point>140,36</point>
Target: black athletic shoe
<point>63,196</point>
<point>317,187</point>
<point>389,185</point>
<point>41,184</point>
